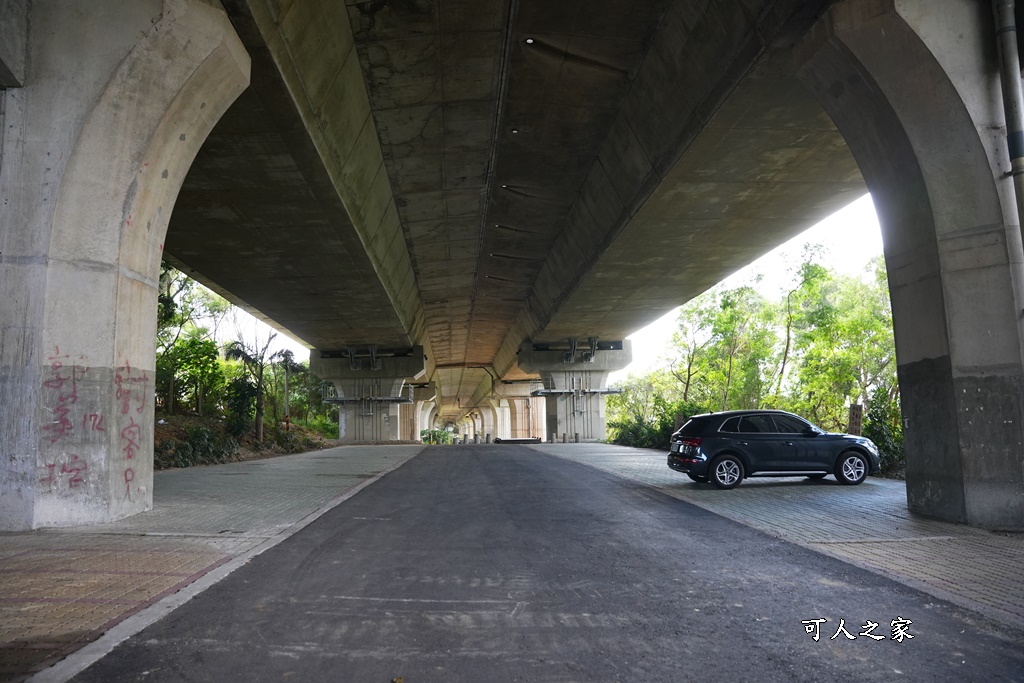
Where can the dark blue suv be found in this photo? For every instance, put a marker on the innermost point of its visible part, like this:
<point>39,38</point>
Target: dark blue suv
<point>723,448</point>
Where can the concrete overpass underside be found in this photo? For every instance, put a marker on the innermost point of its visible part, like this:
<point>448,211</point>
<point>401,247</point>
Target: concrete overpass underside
<point>466,194</point>
<point>505,191</point>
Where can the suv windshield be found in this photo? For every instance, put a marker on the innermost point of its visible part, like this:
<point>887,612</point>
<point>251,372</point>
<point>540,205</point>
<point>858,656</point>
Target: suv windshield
<point>693,427</point>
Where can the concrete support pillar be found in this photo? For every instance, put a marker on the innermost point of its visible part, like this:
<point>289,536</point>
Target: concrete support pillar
<point>914,88</point>
<point>503,419</point>
<point>574,390</point>
<point>538,417</point>
<point>517,417</point>
<point>368,396</point>
<point>511,403</point>
<point>95,147</point>
<point>407,421</point>
<point>423,398</point>
<point>431,419</point>
<point>488,418</point>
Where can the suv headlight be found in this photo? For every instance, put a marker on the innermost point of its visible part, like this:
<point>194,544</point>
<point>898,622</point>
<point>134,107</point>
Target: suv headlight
<point>869,444</point>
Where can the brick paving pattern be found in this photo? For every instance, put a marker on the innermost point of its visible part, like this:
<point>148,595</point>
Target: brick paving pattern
<point>866,525</point>
<point>62,588</point>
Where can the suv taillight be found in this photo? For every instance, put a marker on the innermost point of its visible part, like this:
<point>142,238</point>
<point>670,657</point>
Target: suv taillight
<point>694,441</point>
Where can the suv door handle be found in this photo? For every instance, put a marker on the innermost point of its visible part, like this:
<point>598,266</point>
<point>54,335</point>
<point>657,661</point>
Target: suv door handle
<point>744,443</point>
<point>789,443</point>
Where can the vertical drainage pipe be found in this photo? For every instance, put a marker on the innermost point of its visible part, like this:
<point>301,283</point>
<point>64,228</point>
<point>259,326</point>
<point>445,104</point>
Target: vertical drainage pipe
<point>1013,97</point>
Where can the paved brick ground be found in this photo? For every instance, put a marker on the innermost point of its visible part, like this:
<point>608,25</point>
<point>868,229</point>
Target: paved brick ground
<point>866,525</point>
<point>60,589</point>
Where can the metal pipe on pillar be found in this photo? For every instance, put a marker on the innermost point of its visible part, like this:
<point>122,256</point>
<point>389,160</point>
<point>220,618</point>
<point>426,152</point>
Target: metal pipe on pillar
<point>1013,97</point>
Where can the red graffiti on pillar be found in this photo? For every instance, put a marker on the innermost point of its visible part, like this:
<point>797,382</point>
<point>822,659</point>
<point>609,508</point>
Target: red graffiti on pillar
<point>130,388</point>
<point>93,422</point>
<point>66,384</point>
<point>130,438</point>
<point>129,477</point>
<point>75,468</point>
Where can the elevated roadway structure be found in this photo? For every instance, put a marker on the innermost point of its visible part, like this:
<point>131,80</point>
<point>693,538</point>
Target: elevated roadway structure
<point>463,208</point>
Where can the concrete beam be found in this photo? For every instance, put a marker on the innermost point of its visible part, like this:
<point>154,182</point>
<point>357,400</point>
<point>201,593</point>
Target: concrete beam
<point>13,40</point>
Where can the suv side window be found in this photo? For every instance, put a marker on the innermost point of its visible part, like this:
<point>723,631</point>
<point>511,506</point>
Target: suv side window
<point>693,427</point>
<point>750,424</point>
<point>730,425</point>
<point>789,425</point>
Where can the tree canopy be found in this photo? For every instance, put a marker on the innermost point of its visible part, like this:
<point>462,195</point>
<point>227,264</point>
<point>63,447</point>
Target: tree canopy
<point>822,344</point>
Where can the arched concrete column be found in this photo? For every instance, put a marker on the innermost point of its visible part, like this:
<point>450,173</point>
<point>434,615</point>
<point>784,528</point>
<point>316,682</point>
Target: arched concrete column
<point>424,401</point>
<point>913,87</point>
<point>516,417</point>
<point>488,420</point>
<point>503,421</point>
<point>96,147</point>
<point>538,417</point>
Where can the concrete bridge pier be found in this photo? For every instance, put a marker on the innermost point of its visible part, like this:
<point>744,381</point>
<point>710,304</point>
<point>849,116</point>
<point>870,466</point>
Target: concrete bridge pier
<point>369,389</point>
<point>116,99</point>
<point>423,402</point>
<point>574,387</point>
<point>913,86</point>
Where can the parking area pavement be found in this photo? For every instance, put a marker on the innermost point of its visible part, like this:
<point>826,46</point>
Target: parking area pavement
<point>63,588</point>
<point>866,525</point>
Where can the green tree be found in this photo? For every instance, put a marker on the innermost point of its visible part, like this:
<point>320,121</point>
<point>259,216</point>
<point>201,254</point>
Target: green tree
<point>644,414</point>
<point>690,341</point>
<point>739,353</point>
<point>825,342</point>
<point>883,424</point>
<point>183,309</point>
<point>254,359</point>
<point>844,345</point>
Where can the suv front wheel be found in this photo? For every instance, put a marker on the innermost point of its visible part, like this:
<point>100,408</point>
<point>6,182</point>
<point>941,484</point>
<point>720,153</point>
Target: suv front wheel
<point>851,468</point>
<point>726,472</point>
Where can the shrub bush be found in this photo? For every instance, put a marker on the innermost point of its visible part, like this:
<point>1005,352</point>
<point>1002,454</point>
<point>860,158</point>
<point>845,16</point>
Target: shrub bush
<point>200,447</point>
<point>884,425</point>
<point>324,425</point>
<point>656,431</point>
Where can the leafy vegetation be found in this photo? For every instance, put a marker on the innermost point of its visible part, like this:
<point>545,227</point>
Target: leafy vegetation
<point>437,436</point>
<point>825,343</point>
<point>236,386</point>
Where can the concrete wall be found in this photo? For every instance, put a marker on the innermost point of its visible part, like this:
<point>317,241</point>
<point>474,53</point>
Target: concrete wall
<point>118,97</point>
<point>13,39</point>
<point>913,87</point>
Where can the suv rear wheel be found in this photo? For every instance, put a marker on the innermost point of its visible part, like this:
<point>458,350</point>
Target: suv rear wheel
<point>851,468</point>
<point>726,472</point>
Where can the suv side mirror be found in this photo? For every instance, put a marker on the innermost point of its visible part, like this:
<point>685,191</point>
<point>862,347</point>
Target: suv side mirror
<point>810,431</point>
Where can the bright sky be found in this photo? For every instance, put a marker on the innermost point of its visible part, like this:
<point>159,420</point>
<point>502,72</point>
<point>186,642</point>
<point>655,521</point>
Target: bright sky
<point>851,237</point>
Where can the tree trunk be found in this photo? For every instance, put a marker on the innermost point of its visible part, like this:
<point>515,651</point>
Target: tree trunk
<point>728,382</point>
<point>170,396</point>
<point>260,407</point>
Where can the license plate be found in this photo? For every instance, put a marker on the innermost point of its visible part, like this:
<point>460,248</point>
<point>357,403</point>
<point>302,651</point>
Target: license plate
<point>675,448</point>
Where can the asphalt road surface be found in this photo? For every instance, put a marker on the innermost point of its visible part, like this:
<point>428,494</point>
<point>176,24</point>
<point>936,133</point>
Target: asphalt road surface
<point>498,563</point>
